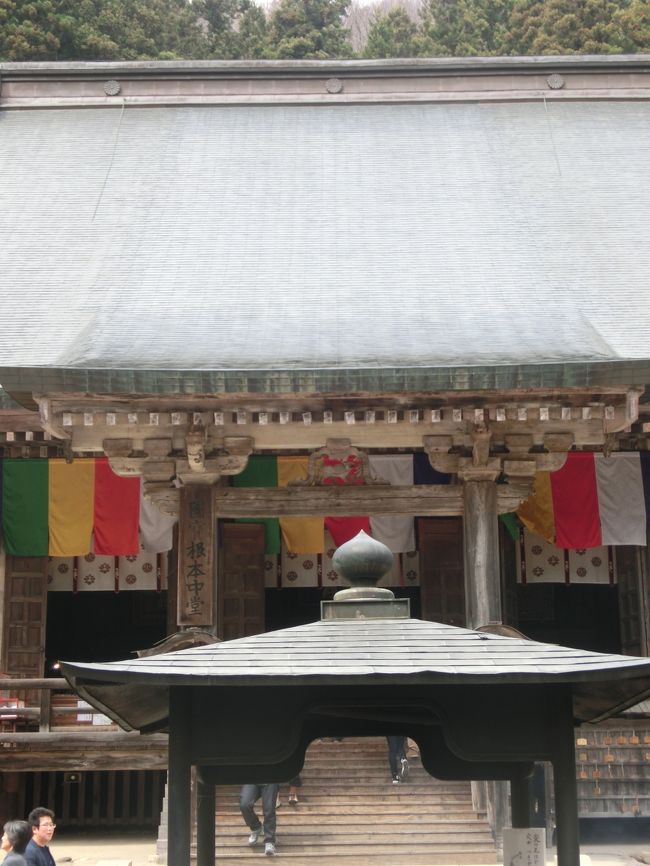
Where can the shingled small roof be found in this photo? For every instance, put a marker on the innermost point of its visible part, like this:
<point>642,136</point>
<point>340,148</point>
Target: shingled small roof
<point>393,652</point>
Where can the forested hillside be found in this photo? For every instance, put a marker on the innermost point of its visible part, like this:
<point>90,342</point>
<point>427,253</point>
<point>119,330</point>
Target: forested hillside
<point>321,29</point>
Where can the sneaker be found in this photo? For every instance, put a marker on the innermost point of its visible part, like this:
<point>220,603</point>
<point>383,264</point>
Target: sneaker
<point>278,802</point>
<point>269,849</point>
<point>405,769</point>
<point>254,836</point>
<point>397,780</point>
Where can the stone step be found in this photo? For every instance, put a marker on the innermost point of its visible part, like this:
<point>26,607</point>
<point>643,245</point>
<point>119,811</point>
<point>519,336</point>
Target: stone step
<point>374,853</point>
<point>371,857</point>
<point>350,814</point>
<point>370,780</point>
<point>390,798</point>
<point>378,777</point>
<point>351,792</point>
<point>335,816</point>
<point>371,829</point>
<point>316,850</point>
<point>405,842</point>
<point>363,778</point>
<point>367,775</point>
<point>385,793</point>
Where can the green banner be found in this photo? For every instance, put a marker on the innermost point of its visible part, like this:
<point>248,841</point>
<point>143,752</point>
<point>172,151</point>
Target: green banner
<point>262,471</point>
<point>511,523</point>
<point>25,501</point>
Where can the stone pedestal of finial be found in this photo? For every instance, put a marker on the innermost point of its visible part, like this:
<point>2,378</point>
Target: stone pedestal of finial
<point>363,561</point>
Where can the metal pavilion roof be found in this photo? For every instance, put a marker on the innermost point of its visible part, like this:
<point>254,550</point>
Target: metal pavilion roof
<point>391,652</point>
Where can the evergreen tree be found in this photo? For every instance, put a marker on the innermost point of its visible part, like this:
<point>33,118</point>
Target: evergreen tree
<point>252,33</point>
<point>465,28</point>
<point>28,31</point>
<point>567,26</point>
<point>224,20</point>
<point>137,30</point>
<point>392,34</point>
<point>99,30</point>
<point>309,29</point>
<point>633,23</point>
<point>162,29</point>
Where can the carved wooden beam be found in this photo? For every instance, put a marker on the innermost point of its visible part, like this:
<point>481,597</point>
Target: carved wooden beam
<point>445,500</point>
<point>468,470</point>
<point>371,421</point>
<point>338,461</point>
<point>337,500</point>
<point>48,422</point>
<point>165,498</point>
<point>212,469</point>
<point>477,456</point>
<point>158,462</point>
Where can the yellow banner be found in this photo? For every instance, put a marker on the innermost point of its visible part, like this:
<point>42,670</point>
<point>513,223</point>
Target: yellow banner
<point>536,513</point>
<point>300,534</point>
<point>71,505</point>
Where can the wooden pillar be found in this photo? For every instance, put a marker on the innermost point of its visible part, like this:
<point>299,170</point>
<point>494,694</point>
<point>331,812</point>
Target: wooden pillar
<point>521,797</point>
<point>483,599</point>
<point>179,836</point>
<point>496,794</point>
<point>205,821</point>
<point>196,556</point>
<point>481,545</point>
<point>564,780</point>
<point>643,561</point>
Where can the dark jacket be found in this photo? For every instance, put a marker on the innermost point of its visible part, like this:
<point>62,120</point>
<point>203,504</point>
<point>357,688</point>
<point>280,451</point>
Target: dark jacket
<point>14,859</point>
<point>37,855</point>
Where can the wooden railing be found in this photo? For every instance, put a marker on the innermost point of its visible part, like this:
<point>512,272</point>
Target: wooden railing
<point>66,754</point>
<point>45,727</point>
<point>48,704</point>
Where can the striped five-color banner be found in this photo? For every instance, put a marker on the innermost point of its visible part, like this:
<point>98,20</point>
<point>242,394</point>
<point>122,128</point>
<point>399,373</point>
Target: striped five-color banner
<point>56,508</point>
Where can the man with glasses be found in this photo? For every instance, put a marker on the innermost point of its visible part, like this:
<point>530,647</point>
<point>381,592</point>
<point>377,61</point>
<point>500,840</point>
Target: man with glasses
<point>42,823</point>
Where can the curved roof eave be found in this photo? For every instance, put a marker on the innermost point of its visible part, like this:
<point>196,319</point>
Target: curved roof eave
<point>380,652</point>
<point>78,674</point>
<point>368,67</point>
<point>584,374</point>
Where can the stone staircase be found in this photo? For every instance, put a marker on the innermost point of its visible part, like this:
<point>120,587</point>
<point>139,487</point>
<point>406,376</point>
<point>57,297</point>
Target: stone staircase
<point>351,813</point>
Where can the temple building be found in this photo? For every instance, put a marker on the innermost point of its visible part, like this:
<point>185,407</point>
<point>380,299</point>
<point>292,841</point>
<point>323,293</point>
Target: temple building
<point>250,308</point>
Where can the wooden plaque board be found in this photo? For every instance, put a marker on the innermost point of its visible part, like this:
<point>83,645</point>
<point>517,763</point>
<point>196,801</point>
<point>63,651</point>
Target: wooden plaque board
<point>196,556</point>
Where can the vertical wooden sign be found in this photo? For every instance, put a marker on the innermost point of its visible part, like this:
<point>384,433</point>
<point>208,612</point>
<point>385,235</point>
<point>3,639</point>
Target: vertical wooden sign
<point>195,556</point>
<point>524,846</point>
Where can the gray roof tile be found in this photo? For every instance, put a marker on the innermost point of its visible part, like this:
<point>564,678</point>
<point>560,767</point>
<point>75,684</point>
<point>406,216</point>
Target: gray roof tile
<point>326,650</point>
<point>324,236</point>
<point>382,652</point>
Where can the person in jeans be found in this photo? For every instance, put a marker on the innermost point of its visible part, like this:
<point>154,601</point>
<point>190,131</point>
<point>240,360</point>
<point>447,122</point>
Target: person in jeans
<point>249,795</point>
<point>42,823</point>
<point>399,766</point>
<point>294,784</point>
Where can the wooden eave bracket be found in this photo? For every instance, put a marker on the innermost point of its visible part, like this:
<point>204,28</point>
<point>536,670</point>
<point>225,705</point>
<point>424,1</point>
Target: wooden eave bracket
<point>157,463</point>
<point>124,462</point>
<point>520,459</point>
<point>166,499</point>
<point>47,420</point>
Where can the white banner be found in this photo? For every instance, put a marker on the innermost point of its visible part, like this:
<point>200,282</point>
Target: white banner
<point>541,562</point>
<point>147,571</point>
<point>311,570</point>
